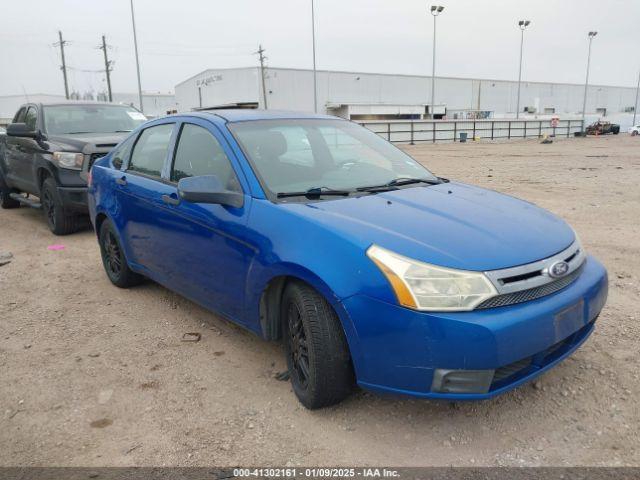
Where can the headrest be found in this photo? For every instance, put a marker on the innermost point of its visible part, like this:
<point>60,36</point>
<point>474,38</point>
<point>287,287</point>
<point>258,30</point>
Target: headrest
<point>272,144</point>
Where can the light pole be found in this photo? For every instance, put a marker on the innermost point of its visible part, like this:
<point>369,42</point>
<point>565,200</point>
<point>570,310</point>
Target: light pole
<point>635,108</point>
<point>315,76</point>
<point>586,81</point>
<point>522,24</point>
<point>435,11</point>
<point>135,44</point>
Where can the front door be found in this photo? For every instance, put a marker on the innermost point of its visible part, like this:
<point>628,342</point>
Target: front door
<point>205,253</point>
<point>21,153</point>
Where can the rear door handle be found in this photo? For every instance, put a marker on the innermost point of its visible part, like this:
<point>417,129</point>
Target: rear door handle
<point>121,181</point>
<point>171,200</point>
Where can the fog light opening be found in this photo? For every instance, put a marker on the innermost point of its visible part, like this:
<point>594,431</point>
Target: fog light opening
<point>461,381</point>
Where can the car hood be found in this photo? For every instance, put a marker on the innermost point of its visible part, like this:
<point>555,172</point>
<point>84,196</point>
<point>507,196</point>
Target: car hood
<point>87,142</point>
<point>450,224</point>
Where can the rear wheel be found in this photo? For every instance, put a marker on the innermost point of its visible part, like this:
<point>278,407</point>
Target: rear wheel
<point>316,349</point>
<point>113,259</point>
<point>5,200</point>
<point>59,222</point>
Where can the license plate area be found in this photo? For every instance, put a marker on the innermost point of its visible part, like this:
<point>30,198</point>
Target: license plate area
<point>569,320</point>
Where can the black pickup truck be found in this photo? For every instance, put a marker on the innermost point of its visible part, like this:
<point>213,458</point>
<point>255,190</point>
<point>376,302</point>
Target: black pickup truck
<point>48,150</point>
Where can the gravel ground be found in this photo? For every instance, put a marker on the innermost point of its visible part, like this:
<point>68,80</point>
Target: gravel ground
<point>92,375</point>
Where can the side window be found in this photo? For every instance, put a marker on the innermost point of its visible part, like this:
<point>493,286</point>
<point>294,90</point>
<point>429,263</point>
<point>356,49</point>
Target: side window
<point>19,118</point>
<point>151,149</point>
<point>121,154</point>
<point>200,153</point>
<point>31,118</point>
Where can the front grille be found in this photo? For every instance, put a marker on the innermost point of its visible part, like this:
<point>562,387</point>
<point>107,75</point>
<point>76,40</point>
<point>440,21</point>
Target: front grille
<point>93,157</point>
<point>507,371</point>
<point>532,293</point>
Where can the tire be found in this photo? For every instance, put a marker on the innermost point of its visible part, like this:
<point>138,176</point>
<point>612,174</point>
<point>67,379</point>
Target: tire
<point>60,223</point>
<point>5,200</point>
<point>113,259</point>
<point>634,133</point>
<point>316,349</point>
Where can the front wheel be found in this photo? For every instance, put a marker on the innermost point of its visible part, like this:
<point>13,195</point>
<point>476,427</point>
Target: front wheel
<point>60,223</point>
<point>634,133</point>
<point>5,200</point>
<point>316,349</point>
<point>113,259</point>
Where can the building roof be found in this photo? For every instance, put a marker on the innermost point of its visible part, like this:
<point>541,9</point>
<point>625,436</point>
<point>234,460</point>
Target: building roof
<point>404,75</point>
<point>243,114</point>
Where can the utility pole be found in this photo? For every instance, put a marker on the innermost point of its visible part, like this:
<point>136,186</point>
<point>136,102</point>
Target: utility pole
<point>107,67</point>
<point>260,52</point>
<point>522,24</point>
<point>135,44</point>
<point>586,81</point>
<point>62,43</point>
<point>635,108</point>
<point>315,73</point>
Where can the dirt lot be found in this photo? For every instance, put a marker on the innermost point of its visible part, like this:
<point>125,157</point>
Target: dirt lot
<point>92,375</point>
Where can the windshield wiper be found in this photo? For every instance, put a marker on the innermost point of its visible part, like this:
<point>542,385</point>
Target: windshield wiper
<point>122,131</point>
<point>316,192</point>
<point>397,182</point>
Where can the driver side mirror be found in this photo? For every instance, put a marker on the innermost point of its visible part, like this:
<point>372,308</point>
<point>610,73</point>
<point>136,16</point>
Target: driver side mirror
<point>21,130</point>
<point>208,189</point>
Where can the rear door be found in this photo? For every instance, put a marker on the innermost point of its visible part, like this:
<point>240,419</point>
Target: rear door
<point>206,253</point>
<point>139,189</point>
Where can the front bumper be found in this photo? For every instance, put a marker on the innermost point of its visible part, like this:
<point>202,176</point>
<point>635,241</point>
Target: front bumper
<point>398,350</point>
<point>74,199</point>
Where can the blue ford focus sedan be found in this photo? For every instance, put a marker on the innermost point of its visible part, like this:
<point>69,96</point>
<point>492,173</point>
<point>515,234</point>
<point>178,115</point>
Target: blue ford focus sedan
<point>372,271</point>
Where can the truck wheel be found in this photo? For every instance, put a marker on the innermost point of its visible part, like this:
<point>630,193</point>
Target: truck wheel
<point>113,260</point>
<point>59,222</point>
<point>634,133</point>
<point>316,349</point>
<point>5,200</point>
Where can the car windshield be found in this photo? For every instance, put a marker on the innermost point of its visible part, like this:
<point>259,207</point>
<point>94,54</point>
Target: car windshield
<point>67,119</point>
<point>317,154</point>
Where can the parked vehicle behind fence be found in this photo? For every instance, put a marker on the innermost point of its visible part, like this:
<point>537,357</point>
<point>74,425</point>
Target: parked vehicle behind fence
<point>603,128</point>
<point>49,148</point>
<point>371,269</point>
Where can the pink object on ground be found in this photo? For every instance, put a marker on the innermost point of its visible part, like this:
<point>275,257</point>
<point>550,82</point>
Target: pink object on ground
<point>55,247</point>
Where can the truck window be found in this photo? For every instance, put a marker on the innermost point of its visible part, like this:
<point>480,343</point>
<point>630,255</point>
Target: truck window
<point>19,118</point>
<point>31,118</point>
<point>151,149</point>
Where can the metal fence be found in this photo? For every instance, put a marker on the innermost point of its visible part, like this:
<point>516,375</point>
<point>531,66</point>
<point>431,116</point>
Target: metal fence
<point>414,131</point>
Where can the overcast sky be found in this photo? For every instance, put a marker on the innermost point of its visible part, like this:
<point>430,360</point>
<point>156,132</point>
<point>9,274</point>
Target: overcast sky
<point>476,38</point>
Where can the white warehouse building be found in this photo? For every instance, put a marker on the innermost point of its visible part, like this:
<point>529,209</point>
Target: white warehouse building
<point>364,96</point>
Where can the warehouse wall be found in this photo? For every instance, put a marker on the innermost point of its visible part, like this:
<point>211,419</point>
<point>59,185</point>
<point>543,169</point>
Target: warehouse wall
<point>292,89</point>
<point>219,87</point>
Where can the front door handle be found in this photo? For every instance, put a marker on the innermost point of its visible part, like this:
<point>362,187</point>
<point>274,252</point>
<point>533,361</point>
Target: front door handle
<point>122,180</point>
<point>170,199</point>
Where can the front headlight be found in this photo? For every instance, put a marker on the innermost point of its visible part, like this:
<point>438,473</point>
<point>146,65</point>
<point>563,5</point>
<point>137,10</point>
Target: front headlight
<point>70,160</point>
<point>423,286</point>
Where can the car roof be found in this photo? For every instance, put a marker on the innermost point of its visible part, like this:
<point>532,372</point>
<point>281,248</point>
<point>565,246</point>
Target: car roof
<point>249,114</point>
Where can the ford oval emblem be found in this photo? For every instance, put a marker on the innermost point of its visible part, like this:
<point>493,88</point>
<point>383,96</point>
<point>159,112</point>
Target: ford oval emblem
<point>558,269</point>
